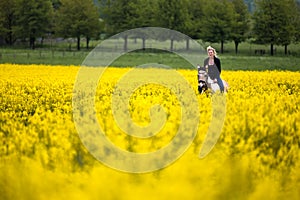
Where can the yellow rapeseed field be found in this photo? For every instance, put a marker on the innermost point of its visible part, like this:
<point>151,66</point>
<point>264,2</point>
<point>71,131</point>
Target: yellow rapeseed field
<point>42,156</point>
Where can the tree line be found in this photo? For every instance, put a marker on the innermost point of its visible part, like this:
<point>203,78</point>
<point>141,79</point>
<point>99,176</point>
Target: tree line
<point>273,22</point>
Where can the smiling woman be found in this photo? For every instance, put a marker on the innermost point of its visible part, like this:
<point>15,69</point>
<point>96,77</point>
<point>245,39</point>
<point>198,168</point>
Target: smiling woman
<point>255,157</point>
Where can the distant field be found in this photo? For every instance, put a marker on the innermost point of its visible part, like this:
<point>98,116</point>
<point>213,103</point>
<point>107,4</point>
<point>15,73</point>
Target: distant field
<point>229,62</point>
<point>246,59</point>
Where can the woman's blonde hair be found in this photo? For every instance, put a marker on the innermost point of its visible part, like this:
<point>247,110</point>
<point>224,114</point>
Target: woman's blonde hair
<point>211,48</point>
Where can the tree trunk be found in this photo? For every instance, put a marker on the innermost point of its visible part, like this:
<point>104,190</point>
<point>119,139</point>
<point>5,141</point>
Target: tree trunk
<point>10,38</point>
<point>285,49</point>
<point>78,43</point>
<point>187,44</point>
<point>42,41</point>
<point>125,43</point>
<point>222,46</point>
<point>236,46</point>
<point>172,45</point>
<point>272,49</point>
<point>87,42</point>
<point>32,42</point>
<point>144,43</point>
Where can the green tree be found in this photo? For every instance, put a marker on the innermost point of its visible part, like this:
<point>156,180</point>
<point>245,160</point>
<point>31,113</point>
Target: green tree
<point>174,15</point>
<point>119,17</point>
<point>145,18</point>
<point>145,12</point>
<point>76,19</point>
<point>33,19</point>
<point>240,25</point>
<point>273,22</point>
<point>297,24</point>
<point>290,23</point>
<point>94,26</point>
<point>196,14</point>
<point>217,23</point>
<point>56,4</point>
<point>115,13</point>
<point>250,5</point>
<point>8,21</point>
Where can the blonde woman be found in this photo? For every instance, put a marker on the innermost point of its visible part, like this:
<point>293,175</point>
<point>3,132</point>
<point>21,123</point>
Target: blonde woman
<point>213,66</point>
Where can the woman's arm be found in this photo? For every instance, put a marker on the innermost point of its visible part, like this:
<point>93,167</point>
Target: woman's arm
<point>218,63</point>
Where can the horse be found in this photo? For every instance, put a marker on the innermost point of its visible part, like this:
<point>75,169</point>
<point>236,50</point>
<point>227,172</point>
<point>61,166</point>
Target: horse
<point>205,83</point>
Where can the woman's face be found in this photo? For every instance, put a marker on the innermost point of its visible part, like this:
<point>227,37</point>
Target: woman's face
<point>210,53</point>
